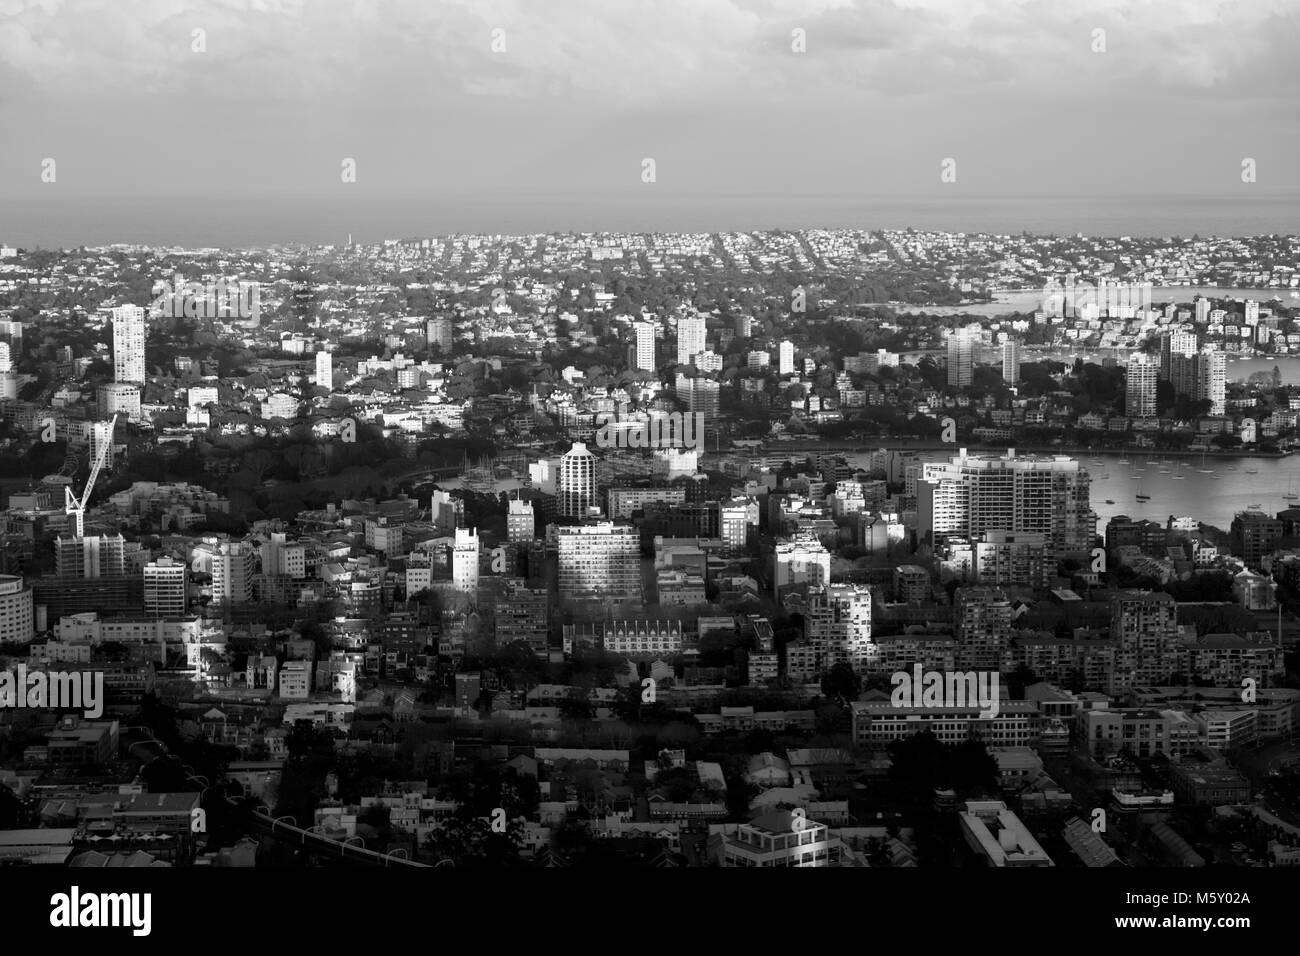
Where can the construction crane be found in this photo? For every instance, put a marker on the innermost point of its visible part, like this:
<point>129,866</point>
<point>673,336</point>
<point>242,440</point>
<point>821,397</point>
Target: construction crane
<point>78,508</point>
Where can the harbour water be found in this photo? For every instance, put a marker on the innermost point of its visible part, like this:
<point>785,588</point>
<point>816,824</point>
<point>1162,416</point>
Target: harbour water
<point>1213,496</point>
<point>1229,487</point>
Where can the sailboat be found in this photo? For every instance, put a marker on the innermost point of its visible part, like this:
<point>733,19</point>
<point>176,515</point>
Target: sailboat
<point>1178,475</point>
<point>1204,470</point>
<point>1139,495</point>
<point>1291,493</point>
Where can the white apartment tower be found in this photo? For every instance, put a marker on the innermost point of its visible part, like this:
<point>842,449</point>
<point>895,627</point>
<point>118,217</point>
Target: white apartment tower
<point>963,347</point>
<point>234,564</point>
<point>645,346</point>
<point>464,561</point>
<point>785,358</point>
<point>577,485</point>
<point>1140,385</point>
<point>165,584</point>
<point>325,370</point>
<point>128,344</point>
<point>801,561</point>
<point>969,495</point>
<point>1011,361</point>
<point>691,338</point>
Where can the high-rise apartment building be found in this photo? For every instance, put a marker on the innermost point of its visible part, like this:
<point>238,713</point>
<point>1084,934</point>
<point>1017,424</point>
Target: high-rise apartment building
<point>1011,361</point>
<point>803,560</point>
<point>963,353</point>
<point>464,561</point>
<point>1140,380</point>
<point>1212,379</point>
<point>839,625</point>
<point>1180,343</point>
<point>601,560</point>
<point>645,346</point>
<point>523,614</point>
<point>438,332</point>
<point>785,358</point>
<point>735,517</point>
<point>691,338</point>
<point>577,481</point>
<point>1145,626</point>
<point>17,614</point>
<point>325,370</point>
<point>94,556</point>
<point>128,344</point>
<point>521,522</point>
<point>701,395</point>
<point>969,495</point>
<point>165,584</point>
<point>1254,536</point>
<point>234,565</point>
<point>283,558</point>
<point>982,627</point>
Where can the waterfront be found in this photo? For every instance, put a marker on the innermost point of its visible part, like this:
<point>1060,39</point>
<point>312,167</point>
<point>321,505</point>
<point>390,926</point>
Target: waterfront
<point>1212,498</point>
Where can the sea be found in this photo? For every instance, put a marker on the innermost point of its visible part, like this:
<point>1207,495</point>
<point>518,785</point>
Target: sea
<point>245,222</point>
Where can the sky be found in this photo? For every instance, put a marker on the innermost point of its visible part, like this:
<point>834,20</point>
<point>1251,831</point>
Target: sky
<point>1026,96</point>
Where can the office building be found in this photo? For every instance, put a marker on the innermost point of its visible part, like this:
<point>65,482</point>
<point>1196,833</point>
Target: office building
<point>577,481</point>
<point>128,344</point>
<point>601,561</point>
<point>776,840</point>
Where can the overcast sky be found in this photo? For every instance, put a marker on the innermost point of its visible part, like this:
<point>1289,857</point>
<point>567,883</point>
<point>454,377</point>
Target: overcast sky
<point>711,89</point>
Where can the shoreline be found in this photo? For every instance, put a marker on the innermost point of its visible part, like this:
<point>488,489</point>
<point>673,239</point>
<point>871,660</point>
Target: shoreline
<point>1081,451</point>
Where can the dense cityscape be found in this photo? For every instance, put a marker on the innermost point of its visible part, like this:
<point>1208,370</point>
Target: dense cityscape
<point>771,549</point>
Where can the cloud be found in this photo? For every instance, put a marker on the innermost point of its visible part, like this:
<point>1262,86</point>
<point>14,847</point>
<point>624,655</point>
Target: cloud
<point>637,53</point>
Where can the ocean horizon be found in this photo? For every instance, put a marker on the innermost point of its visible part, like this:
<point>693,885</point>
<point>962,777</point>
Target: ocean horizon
<point>255,222</point>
